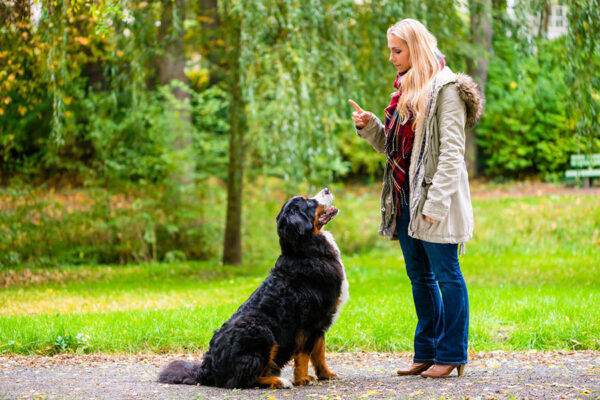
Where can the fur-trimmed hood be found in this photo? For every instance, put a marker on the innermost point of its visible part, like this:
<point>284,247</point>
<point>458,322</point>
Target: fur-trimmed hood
<point>470,92</point>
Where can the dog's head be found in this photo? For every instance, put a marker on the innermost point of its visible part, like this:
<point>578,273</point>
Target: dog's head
<point>302,216</point>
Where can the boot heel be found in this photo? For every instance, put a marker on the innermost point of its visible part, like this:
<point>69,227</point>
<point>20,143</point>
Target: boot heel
<point>460,369</point>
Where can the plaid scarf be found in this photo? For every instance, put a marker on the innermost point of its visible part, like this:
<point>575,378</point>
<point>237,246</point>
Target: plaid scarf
<point>399,142</point>
<point>398,146</point>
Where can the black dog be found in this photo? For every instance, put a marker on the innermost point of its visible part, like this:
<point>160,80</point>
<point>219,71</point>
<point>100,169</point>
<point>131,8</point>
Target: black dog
<point>286,317</point>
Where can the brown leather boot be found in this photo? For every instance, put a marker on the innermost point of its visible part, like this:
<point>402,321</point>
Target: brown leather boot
<point>415,368</point>
<point>442,371</point>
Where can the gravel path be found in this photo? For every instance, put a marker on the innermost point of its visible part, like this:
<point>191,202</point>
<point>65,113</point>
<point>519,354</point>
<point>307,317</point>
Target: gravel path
<point>494,375</point>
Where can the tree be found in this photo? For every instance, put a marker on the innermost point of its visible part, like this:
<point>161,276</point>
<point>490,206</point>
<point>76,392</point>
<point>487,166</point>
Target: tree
<point>232,245</point>
<point>544,18</point>
<point>477,65</point>
<point>290,71</point>
<point>170,65</point>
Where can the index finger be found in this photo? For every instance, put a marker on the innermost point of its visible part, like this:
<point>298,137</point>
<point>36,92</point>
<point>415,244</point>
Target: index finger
<point>356,106</point>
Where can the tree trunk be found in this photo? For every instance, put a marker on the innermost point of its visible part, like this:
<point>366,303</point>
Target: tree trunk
<point>477,65</point>
<point>544,18</point>
<point>170,65</point>
<point>232,249</point>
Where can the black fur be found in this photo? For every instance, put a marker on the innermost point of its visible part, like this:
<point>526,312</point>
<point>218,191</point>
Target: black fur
<point>298,298</point>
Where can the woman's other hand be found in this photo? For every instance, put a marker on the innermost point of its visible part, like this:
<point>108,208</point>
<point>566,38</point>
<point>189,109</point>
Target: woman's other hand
<point>430,220</point>
<point>361,118</point>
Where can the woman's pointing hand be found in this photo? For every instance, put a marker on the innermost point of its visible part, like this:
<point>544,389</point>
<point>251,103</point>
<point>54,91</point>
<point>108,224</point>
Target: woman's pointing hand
<point>361,118</point>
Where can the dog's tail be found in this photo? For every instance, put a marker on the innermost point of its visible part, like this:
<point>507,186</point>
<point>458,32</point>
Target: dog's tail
<point>185,372</point>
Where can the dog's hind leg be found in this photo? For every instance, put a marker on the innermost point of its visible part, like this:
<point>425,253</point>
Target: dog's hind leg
<point>272,369</point>
<point>317,357</point>
<point>274,382</point>
<point>270,375</point>
<point>246,371</point>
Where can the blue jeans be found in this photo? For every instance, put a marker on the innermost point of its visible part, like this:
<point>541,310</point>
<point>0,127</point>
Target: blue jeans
<point>443,329</point>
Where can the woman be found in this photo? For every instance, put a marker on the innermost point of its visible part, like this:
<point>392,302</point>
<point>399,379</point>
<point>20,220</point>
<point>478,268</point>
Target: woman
<point>425,200</point>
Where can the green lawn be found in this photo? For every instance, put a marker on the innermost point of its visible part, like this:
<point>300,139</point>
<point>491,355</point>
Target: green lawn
<point>532,270</point>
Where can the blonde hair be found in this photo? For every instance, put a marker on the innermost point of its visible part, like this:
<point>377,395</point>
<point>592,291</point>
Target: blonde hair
<point>416,82</point>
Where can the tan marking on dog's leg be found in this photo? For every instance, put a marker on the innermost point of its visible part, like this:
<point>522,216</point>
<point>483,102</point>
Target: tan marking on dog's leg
<point>301,376</point>
<point>271,369</point>
<point>317,357</point>
<point>301,358</point>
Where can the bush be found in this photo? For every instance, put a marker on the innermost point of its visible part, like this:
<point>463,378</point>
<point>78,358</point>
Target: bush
<point>97,226</point>
<point>525,129</point>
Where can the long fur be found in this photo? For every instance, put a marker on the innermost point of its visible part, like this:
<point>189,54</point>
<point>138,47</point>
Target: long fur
<point>288,313</point>
<point>470,92</point>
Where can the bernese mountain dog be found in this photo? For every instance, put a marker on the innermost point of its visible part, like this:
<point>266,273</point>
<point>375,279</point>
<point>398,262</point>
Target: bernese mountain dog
<point>287,315</point>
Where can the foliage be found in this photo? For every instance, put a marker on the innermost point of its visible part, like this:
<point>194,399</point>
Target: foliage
<point>80,100</point>
<point>70,344</point>
<point>526,129</point>
<point>92,226</point>
<point>82,83</point>
<point>294,68</point>
<point>134,142</point>
<point>583,79</point>
<point>99,226</point>
<point>23,94</point>
<point>82,104</point>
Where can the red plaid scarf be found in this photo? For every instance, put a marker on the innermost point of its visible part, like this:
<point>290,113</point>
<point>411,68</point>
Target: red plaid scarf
<point>399,142</point>
<point>398,146</point>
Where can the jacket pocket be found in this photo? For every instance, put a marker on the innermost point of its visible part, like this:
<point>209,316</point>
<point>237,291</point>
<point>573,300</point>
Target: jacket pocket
<point>424,189</point>
<point>425,185</point>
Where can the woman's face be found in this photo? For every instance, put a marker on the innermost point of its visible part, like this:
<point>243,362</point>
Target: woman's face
<point>399,53</point>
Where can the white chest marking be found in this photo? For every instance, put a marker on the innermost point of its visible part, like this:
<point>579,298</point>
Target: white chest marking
<point>344,295</point>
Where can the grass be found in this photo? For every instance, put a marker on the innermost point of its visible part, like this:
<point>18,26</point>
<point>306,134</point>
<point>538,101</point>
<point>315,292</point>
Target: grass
<point>532,270</point>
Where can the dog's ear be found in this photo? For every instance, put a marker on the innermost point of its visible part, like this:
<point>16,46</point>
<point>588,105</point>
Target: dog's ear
<point>292,227</point>
<point>279,215</point>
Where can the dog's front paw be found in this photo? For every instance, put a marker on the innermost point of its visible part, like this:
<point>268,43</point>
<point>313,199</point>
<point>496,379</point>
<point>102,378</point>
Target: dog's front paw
<point>285,383</point>
<point>305,380</point>
<point>327,375</point>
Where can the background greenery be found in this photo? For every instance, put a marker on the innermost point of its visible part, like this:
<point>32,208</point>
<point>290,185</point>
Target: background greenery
<point>129,128</point>
<point>532,271</point>
<point>90,107</point>
<point>86,77</point>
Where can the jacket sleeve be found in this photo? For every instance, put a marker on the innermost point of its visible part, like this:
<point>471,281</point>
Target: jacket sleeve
<point>451,124</point>
<point>374,134</point>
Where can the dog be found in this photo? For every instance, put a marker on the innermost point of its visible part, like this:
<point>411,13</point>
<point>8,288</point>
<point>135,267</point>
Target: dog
<point>287,315</point>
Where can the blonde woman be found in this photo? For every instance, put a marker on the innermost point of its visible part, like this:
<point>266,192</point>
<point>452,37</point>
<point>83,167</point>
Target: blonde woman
<point>425,200</point>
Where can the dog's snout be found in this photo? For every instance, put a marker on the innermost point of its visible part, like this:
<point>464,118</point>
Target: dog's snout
<point>324,197</point>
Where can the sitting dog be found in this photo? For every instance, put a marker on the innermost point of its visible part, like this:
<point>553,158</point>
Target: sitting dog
<point>286,317</point>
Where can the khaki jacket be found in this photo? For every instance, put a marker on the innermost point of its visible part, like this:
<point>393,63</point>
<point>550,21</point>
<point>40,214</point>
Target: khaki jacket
<point>438,179</point>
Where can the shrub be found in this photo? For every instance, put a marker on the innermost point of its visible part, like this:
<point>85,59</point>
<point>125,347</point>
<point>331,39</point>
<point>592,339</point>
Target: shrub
<point>525,129</point>
<point>100,226</point>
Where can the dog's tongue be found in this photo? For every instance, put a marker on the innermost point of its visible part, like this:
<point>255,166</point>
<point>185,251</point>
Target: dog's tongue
<point>328,215</point>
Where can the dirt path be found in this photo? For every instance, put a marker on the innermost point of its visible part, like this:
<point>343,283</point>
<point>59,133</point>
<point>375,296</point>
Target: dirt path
<point>495,375</point>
